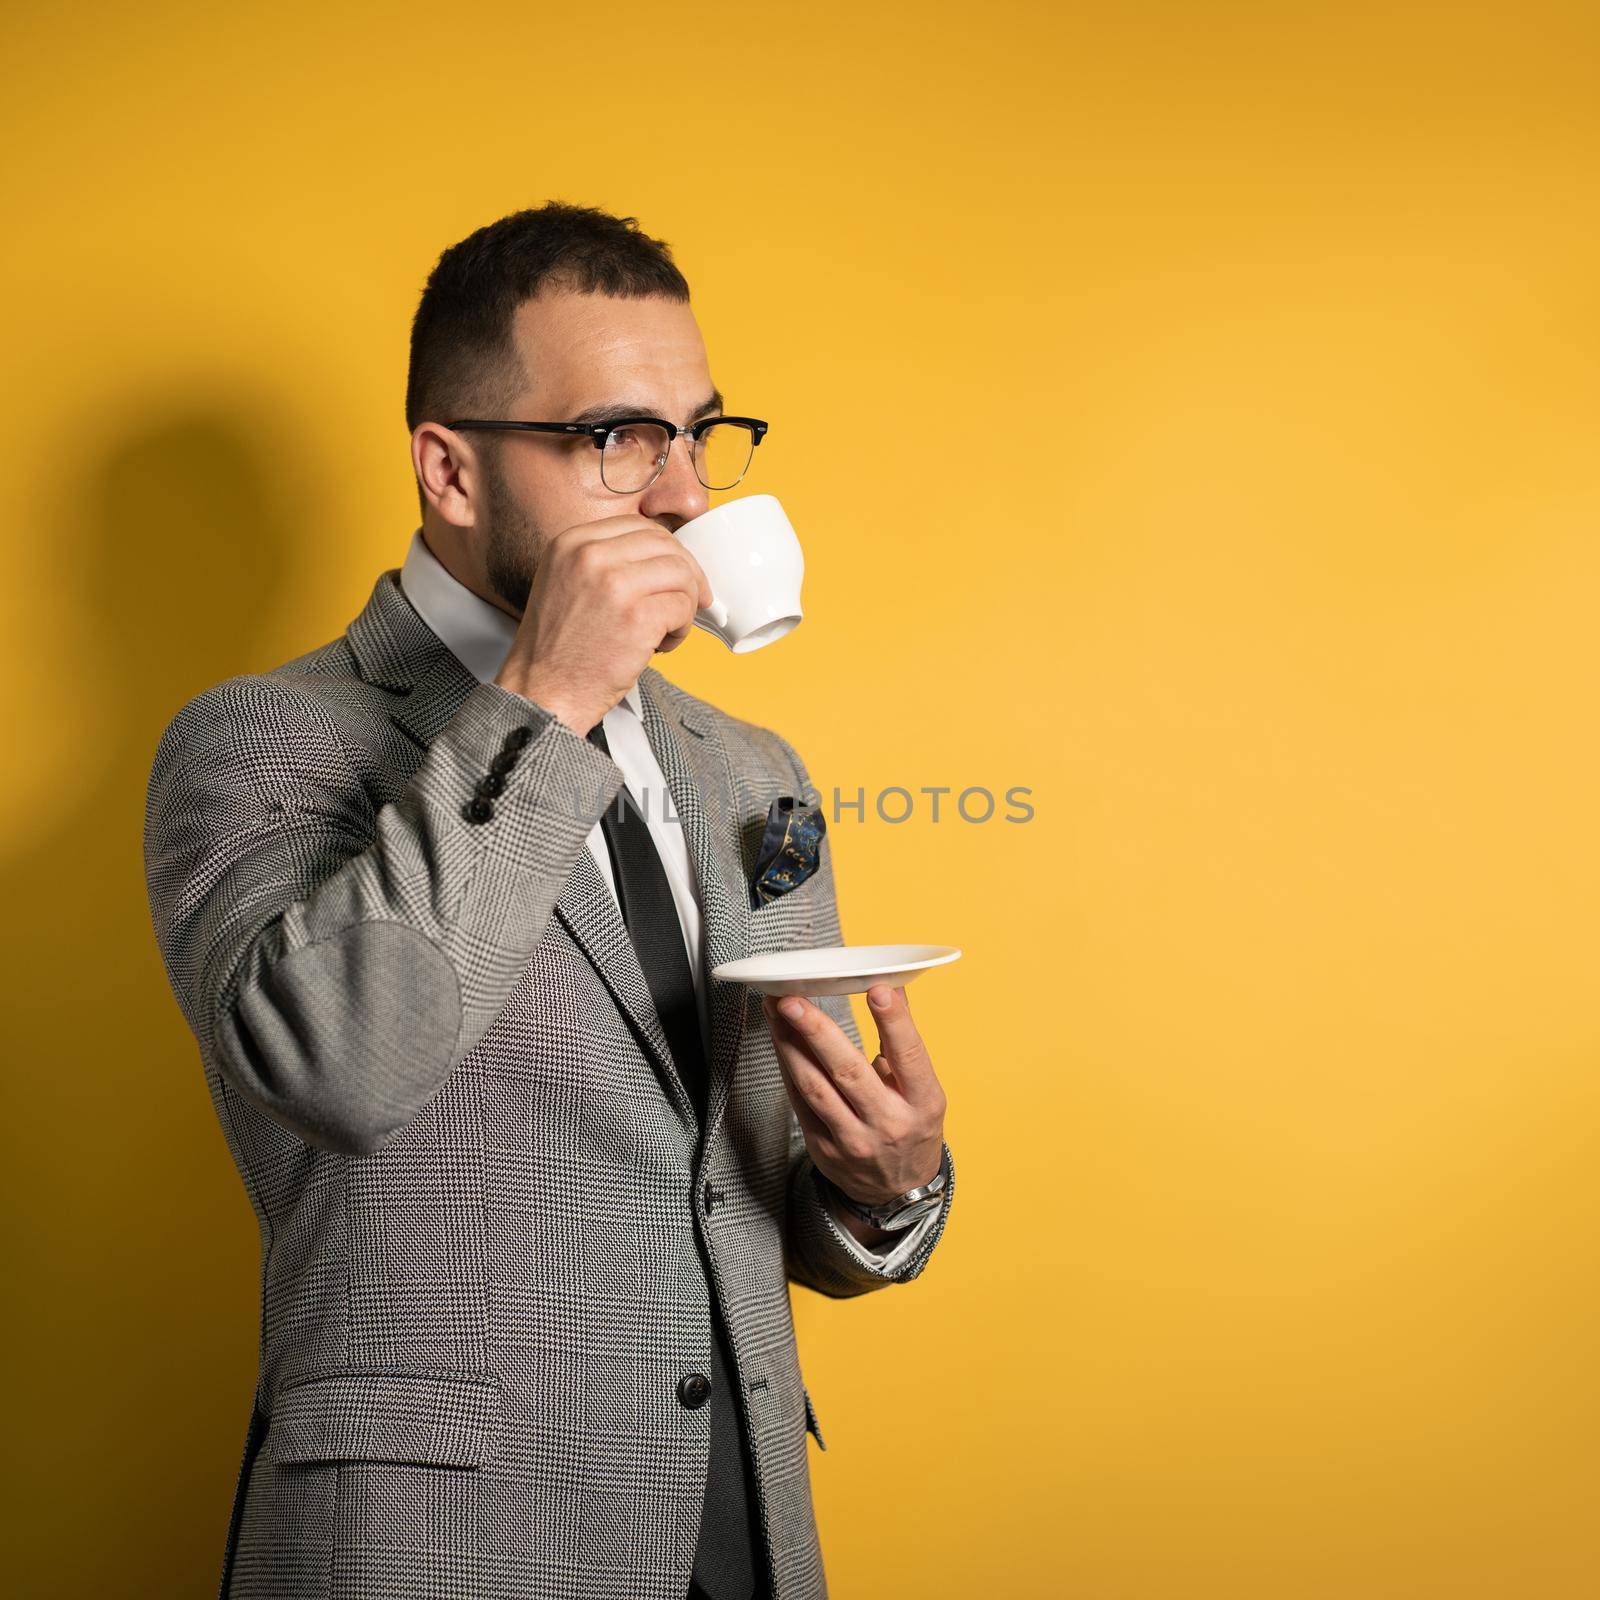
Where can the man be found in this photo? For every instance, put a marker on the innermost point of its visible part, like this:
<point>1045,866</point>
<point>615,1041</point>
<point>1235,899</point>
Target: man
<point>531,1188</point>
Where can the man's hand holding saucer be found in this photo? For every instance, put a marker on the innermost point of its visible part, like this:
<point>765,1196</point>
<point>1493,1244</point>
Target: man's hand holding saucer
<point>874,1129</point>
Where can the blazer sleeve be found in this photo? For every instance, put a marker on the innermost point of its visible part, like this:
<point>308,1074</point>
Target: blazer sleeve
<point>818,1250</point>
<point>335,961</point>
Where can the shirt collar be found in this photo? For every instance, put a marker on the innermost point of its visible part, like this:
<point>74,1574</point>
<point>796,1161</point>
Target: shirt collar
<point>480,635</point>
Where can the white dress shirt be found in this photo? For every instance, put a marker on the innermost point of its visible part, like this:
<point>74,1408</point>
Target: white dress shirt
<point>480,636</point>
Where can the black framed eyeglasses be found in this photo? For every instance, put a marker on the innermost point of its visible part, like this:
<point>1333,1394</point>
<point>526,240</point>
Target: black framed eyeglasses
<point>634,450</point>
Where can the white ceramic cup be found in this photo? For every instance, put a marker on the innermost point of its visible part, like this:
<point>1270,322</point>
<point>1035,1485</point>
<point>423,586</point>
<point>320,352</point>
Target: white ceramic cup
<point>752,559</point>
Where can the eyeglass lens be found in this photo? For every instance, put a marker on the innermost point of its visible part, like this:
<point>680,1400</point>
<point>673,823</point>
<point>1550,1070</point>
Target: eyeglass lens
<point>636,453</point>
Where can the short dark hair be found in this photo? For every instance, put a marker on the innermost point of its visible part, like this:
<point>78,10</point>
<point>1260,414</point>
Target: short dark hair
<point>463,359</point>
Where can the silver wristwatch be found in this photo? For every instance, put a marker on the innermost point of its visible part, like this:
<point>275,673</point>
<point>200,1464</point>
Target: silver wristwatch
<point>903,1209</point>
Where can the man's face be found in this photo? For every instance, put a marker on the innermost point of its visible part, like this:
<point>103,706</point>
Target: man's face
<point>582,351</point>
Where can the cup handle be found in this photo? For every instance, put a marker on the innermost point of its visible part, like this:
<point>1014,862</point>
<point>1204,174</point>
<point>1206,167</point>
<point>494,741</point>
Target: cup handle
<point>717,614</point>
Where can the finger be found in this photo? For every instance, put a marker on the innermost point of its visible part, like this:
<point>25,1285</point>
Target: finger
<point>902,1044</point>
<point>673,614</point>
<point>701,580</point>
<point>697,584</point>
<point>831,1047</point>
<point>818,1138</point>
<point>659,574</point>
<point>611,529</point>
<point>630,549</point>
<point>811,1083</point>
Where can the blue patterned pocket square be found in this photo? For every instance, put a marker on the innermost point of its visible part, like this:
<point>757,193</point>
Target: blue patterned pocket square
<point>791,848</point>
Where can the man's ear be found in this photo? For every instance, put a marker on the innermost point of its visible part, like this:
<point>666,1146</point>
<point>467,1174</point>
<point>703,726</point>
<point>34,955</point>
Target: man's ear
<point>448,472</point>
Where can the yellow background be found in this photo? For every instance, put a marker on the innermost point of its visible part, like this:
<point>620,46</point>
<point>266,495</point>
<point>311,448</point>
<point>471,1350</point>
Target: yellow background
<point>1189,411</point>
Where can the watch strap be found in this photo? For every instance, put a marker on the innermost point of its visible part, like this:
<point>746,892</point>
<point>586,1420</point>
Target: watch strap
<point>924,1198</point>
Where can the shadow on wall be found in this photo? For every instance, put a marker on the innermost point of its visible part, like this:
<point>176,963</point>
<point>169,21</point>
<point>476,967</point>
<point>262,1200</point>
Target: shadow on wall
<point>132,1338</point>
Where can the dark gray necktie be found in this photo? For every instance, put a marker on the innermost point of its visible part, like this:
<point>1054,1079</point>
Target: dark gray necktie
<point>652,918</point>
<point>725,1558</point>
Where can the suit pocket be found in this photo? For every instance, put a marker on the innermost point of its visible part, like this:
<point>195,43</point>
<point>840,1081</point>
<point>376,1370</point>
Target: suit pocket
<point>433,1419</point>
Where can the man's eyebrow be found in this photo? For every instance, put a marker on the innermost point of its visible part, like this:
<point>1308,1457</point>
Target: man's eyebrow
<point>610,411</point>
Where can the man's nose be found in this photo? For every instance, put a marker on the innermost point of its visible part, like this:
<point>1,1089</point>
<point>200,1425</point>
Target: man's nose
<point>677,492</point>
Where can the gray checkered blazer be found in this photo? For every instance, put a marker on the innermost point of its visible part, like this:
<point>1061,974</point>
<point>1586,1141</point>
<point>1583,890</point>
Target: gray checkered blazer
<point>437,1065</point>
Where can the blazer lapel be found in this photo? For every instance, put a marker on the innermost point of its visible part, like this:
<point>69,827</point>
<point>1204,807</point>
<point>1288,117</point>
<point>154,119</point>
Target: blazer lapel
<point>690,753</point>
<point>588,911</point>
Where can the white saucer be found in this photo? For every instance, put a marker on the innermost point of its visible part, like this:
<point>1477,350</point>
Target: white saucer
<point>836,968</point>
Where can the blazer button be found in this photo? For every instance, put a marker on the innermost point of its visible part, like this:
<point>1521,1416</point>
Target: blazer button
<point>518,737</point>
<point>478,809</point>
<point>694,1390</point>
<point>503,762</point>
<point>491,784</point>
